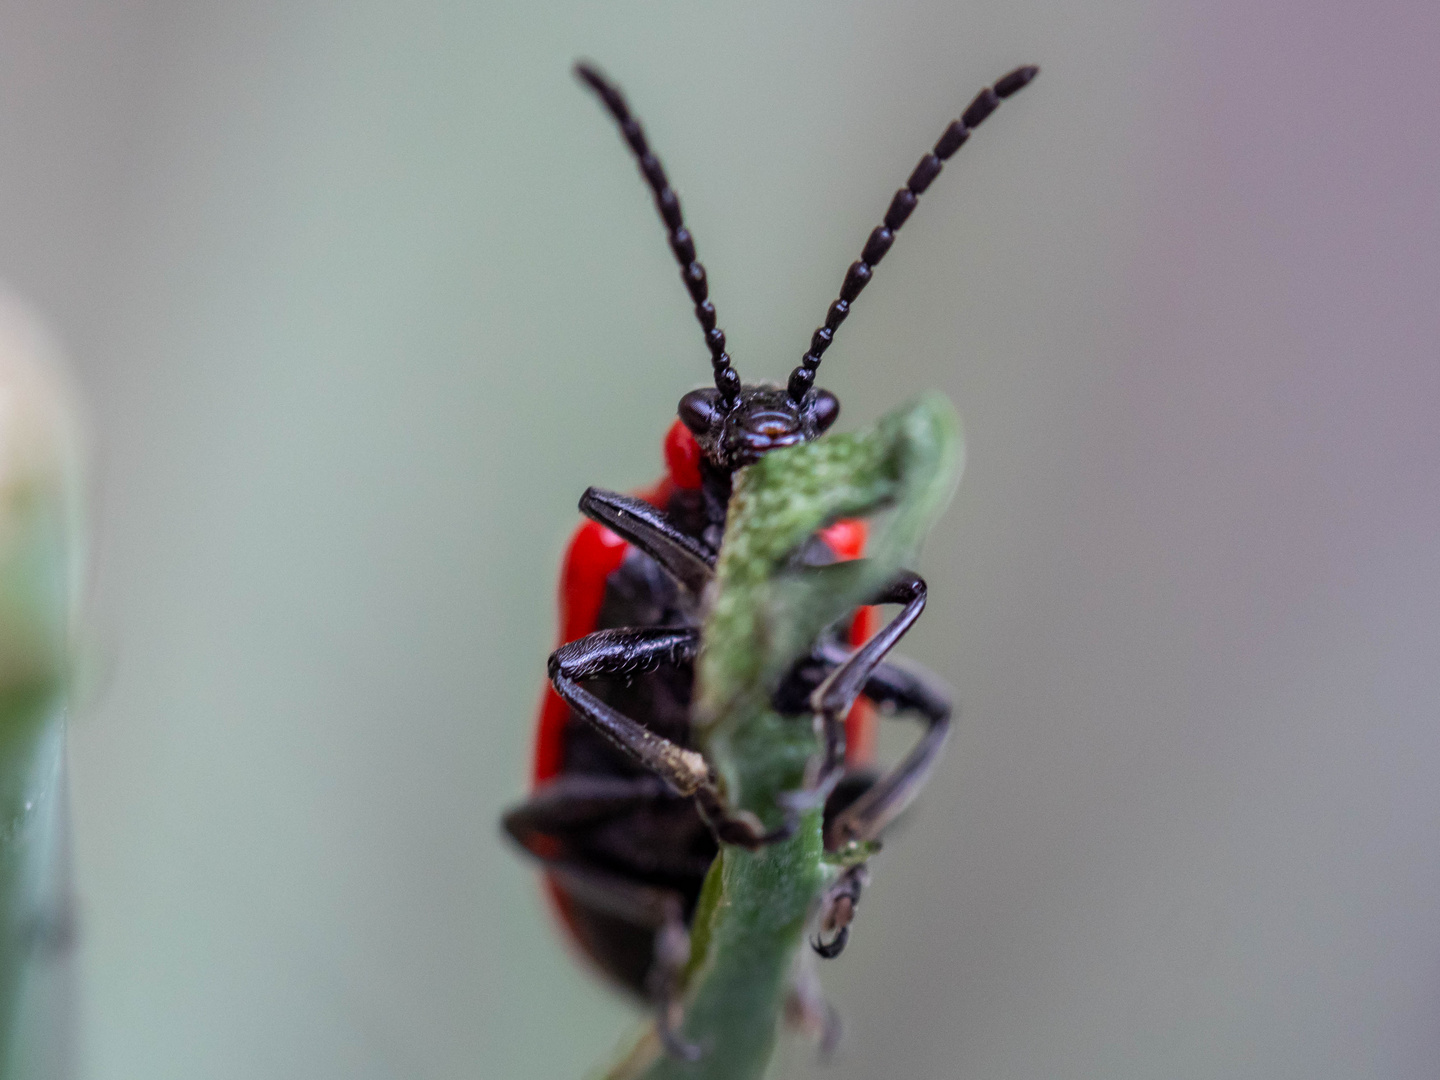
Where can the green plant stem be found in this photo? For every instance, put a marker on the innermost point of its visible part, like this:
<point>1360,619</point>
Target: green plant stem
<point>763,614</point>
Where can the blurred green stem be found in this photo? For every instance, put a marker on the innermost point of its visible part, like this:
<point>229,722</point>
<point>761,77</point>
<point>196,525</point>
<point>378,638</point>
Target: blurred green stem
<point>40,559</point>
<point>31,819</point>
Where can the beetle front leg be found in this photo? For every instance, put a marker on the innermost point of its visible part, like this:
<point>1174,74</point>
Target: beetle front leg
<point>678,553</point>
<point>626,651</point>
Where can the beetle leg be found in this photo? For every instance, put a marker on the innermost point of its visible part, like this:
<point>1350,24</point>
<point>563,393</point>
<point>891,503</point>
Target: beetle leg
<point>683,557</point>
<point>570,817</point>
<point>832,699</point>
<point>667,983</point>
<point>837,909</point>
<point>741,827</point>
<point>619,652</point>
<point>660,909</point>
<point>626,652</point>
<point>807,1010</point>
<point>911,689</point>
<point>575,801</point>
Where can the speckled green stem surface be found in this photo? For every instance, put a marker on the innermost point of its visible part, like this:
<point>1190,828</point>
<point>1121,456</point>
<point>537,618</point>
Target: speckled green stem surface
<point>763,613</point>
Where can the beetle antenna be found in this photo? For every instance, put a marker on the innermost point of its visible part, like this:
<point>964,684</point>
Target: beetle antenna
<point>858,276</point>
<point>727,380</point>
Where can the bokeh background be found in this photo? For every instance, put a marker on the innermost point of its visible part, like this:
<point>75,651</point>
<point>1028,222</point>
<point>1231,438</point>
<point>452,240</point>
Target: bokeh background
<point>361,295</point>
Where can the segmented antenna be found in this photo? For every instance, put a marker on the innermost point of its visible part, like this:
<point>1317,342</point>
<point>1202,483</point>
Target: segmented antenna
<point>727,380</point>
<point>858,276</point>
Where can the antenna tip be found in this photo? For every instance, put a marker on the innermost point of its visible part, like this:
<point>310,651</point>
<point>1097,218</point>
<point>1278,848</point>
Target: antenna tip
<point>607,91</point>
<point>1015,81</point>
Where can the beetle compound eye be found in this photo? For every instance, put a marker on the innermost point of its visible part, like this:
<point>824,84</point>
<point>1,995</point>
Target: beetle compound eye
<point>822,410</point>
<point>700,410</point>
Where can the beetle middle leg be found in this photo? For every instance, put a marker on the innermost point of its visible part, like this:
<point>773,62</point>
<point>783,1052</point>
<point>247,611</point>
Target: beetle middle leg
<point>864,818</point>
<point>629,651</point>
<point>864,671</point>
<point>837,909</point>
<point>838,676</point>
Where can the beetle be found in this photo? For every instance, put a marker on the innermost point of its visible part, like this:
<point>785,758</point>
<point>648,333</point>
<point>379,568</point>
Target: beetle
<point>624,814</point>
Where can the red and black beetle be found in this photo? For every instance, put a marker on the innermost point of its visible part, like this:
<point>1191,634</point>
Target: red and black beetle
<point>621,816</point>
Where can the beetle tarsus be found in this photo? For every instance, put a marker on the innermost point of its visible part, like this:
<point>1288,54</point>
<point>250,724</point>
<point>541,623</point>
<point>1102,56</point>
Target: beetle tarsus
<point>741,828</point>
<point>837,909</point>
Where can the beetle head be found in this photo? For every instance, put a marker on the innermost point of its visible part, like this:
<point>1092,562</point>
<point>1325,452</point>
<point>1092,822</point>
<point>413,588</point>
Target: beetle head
<point>738,432</point>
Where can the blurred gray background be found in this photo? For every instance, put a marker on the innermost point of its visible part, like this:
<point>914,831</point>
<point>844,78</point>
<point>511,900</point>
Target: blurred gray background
<point>362,295</point>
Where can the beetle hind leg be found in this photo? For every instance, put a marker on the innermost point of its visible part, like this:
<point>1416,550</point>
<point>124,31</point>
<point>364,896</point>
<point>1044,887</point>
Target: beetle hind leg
<point>663,911</point>
<point>808,1011</point>
<point>540,826</point>
<point>672,955</point>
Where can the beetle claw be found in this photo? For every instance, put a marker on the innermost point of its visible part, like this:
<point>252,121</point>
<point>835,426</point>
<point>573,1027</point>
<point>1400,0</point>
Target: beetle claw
<point>837,909</point>
<point>828,950</point>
